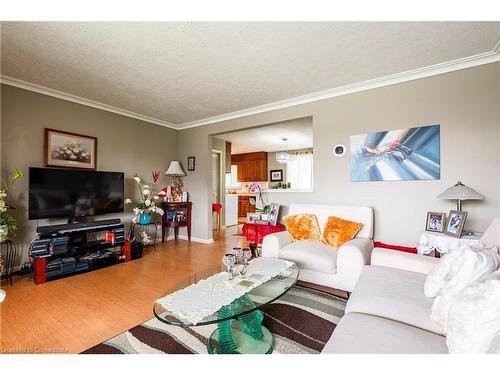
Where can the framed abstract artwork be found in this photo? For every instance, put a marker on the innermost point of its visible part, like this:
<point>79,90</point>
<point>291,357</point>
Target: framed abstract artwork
<point>69,150</point>
<point>396,155</point>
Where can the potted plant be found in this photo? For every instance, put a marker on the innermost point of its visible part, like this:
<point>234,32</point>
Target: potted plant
<point>146,204</point>
<point>7,222</point>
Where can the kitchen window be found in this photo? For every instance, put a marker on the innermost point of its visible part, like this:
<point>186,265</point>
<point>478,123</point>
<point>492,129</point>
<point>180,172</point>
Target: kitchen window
<point>300,170</point>
<point>232,178</point>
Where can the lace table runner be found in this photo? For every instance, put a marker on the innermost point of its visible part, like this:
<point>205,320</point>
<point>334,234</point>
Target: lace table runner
<point>206,297</point>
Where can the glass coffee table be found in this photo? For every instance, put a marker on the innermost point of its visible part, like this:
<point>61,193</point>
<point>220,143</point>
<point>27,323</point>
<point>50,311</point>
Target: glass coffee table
<point>240,329</point>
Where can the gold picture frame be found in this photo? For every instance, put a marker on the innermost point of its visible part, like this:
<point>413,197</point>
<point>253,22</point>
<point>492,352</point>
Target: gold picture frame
<point>69,150</point>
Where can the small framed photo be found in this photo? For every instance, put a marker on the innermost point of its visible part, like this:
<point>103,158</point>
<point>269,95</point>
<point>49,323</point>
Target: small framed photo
<point>276,175</point>
<point>69,150</point>
<point>191,163</point>
<point>252,217</point>
<point>274,211</point>
<point>436,222</point>
<point>456,222</point>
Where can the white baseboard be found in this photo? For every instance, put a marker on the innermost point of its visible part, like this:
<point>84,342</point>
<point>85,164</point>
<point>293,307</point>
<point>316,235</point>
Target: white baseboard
<point>206,241</point>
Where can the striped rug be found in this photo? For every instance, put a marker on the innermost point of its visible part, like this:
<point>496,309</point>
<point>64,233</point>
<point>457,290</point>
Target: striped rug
<point>302,321</point>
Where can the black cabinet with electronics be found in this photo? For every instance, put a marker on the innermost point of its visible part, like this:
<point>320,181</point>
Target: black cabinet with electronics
<point>79,247</point>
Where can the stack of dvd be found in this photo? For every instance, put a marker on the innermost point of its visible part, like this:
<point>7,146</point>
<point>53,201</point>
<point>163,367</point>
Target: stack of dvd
<point>40,248</point>
<point>53,268</point>
<point>81,265</point>
<point>68,265</point>
<point>59,245</point>
<point>119,235</point>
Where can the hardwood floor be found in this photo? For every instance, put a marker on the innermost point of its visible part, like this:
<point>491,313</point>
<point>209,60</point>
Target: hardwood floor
<point>72,314</point>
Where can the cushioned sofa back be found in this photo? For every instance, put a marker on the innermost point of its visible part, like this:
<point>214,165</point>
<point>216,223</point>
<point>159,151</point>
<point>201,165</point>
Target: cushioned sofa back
<point>353,213</point>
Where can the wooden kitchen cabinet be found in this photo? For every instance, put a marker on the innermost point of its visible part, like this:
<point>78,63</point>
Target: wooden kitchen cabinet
<point>251,167</point>
<point>244,206</point>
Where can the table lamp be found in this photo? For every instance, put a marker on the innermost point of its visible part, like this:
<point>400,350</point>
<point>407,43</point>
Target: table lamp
<point>175,171</point>
<point>460,192</point>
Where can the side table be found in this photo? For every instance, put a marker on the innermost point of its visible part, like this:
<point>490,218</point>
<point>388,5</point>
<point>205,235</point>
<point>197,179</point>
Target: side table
<point>254,232</point>
<point>441,243</point>
<point>10,258</point>
<point>177,214</point>
<point>148,226</point>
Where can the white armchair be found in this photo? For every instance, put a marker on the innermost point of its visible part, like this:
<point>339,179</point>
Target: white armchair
<point>318,263</point>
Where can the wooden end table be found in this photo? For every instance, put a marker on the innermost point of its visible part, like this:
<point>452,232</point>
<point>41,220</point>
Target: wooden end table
<point>184,210</point>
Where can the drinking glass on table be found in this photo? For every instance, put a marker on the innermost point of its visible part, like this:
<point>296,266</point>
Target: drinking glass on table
<point>246,256</point>
<point>229,260</point>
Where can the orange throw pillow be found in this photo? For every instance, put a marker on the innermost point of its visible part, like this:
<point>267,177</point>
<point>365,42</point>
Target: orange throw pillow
<point>302,227</point>
<point>338,231</point>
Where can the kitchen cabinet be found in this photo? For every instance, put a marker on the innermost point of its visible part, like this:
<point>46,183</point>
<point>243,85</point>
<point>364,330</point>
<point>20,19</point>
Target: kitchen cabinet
<point>244,206</point>
<point>252,167</point>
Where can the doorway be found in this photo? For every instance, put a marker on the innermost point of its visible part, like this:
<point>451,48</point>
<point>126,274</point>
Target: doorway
<point>216,181</point>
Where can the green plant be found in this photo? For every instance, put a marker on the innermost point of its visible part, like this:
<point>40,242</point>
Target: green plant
<point>7,222</point>
<point>263,210</point>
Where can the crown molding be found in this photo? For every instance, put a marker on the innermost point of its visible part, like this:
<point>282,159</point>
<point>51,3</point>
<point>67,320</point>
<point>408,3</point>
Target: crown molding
<point>411,75</point>
<point>78,99</point>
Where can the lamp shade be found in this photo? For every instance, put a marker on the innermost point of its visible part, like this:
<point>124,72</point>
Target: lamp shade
<point>175,169</point>
<point>460,191</point>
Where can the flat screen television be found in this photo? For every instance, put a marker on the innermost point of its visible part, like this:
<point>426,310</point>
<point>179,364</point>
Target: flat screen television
<point>68,193</point>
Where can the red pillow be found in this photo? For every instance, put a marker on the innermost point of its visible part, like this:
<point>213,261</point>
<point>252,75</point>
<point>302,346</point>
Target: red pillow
<point>395,247</point>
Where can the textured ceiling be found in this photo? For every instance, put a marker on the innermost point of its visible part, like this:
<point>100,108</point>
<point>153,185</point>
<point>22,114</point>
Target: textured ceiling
<point>299,133</point>
<point>181,72</point>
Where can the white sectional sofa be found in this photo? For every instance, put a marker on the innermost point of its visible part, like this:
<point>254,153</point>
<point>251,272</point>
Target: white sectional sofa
<point>319,263</point>
<point>388,312</point>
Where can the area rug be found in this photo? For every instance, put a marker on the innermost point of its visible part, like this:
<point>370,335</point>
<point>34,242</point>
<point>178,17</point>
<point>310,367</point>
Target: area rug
<point>302,321</point>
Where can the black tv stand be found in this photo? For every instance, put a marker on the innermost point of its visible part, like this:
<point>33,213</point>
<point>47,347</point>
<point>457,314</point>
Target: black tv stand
<point>67,249</point>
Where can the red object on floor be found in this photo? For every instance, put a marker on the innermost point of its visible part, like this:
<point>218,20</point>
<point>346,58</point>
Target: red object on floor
<point>254,233</point>
<point>40,276</point>
<point>216,207</point>
<point>395,247</point>
<point>127,251</point>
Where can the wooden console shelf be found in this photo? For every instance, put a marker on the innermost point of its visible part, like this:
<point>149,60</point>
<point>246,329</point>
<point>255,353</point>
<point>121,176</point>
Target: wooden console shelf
<point>177,214</point>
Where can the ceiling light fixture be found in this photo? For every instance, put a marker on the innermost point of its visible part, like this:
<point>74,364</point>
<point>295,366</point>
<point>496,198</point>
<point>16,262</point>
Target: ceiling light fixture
<point>283,156</point>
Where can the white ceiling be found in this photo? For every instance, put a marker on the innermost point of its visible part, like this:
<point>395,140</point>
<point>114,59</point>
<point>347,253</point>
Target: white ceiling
<point>299,133</point>
<point>180,73</point>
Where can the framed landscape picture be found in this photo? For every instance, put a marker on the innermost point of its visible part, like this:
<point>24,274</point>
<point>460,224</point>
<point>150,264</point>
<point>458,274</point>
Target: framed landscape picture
<point>69,150</point>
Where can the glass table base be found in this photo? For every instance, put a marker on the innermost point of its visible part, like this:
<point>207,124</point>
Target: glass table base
<point>239,340</point>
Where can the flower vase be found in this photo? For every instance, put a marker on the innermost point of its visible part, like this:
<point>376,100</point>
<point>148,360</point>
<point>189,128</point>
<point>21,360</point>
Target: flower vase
<point>144,219</point>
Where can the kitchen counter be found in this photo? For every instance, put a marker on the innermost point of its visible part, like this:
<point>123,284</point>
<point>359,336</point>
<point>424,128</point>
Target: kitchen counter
<point>243,194</point>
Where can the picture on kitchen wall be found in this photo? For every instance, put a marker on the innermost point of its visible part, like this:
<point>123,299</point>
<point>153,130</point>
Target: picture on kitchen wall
<point>397,155</point>
<point>69,150</point>
<point>276,175</point>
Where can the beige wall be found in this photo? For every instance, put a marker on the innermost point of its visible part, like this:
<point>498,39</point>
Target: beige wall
<point>124,144</point>
<point>465,103</point>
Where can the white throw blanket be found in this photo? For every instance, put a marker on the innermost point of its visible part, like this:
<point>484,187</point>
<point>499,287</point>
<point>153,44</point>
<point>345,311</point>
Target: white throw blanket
<point>473,324</point>
<point>206,297</point>
<point>458,268</point>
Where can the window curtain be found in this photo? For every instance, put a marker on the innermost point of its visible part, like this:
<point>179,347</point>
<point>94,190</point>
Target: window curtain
<point>300,170</point>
